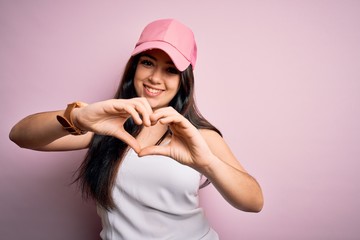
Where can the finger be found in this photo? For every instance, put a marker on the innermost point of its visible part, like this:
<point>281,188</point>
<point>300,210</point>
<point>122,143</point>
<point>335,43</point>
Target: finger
<point>125,109</point>
<point>146,104</point>
<point>131,107</point>
<point>139,113</point>
<point>171,119</point>
<point>154,150</point>
<point>144,109</point>
<point>139,109</point>
<point>176,122</point>
<point>162,113</point>
<point>134,114</point>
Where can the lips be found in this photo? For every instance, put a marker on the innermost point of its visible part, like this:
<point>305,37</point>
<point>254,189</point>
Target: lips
<point>152,91</point>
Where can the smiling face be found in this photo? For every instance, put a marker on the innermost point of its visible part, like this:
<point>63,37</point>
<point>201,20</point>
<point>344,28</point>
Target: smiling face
<point>156,78</point>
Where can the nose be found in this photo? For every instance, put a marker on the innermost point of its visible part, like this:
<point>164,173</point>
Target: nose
<point>156,76</point>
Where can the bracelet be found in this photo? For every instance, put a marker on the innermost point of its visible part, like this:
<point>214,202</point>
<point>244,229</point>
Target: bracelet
<point>66,121</point>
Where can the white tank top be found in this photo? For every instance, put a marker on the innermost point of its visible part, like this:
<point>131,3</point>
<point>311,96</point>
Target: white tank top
<point>156,198</point>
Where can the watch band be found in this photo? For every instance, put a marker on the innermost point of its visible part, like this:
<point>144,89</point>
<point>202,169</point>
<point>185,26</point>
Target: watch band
<point>66,121</point>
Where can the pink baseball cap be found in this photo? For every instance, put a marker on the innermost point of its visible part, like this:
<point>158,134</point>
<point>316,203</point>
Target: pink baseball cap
<point>171,36</point>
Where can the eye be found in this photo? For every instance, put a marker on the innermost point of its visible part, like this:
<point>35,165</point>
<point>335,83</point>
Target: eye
<point>172,70</point>
<point>146,63</point>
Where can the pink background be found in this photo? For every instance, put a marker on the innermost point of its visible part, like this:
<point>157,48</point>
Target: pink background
<point>281,79</point>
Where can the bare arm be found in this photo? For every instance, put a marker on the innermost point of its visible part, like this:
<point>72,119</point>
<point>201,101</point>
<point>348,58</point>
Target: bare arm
<point>225,172</point>
<point>42,131</point>
<point>207,152</point>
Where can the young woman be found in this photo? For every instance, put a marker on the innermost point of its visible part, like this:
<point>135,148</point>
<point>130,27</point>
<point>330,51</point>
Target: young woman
<point>149,148</point>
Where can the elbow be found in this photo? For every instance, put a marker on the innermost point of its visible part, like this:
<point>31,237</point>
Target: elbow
<point>257,203</point>
<point>257,206</point>
<point>15,137</point>
<point>255,200</point>
<point>253,205</point>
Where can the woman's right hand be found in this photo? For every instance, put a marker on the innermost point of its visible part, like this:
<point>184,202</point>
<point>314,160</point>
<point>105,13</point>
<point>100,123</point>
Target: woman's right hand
<point>108,118</point>
<point>42,131</point>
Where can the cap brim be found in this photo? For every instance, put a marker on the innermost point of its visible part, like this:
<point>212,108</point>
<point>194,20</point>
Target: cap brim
<point>179,60</point>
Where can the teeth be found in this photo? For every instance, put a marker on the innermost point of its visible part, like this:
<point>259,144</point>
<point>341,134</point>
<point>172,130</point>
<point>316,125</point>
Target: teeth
<point>152,90</point>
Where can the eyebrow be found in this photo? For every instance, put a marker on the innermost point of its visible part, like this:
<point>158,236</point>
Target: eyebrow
<point>154,58</point>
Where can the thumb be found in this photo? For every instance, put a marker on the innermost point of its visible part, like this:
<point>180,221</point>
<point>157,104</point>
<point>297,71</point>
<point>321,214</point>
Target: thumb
<point>154,150</point>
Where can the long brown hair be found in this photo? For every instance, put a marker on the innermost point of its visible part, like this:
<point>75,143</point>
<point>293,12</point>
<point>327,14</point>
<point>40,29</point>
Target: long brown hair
<point>97,173</point>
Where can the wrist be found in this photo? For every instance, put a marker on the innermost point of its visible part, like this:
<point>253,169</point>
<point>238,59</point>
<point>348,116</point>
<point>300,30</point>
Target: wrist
<point>207,168</point>
<point>66,120</point>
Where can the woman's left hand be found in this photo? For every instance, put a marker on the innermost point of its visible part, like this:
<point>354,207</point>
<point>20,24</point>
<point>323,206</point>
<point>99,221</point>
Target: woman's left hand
<point>187,146</point>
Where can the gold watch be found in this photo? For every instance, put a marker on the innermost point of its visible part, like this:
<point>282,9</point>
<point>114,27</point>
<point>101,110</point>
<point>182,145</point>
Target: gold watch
<point>66,121</point>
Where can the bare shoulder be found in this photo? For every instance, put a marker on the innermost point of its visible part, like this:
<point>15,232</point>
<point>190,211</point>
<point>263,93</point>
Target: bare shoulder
<point>214,140</point>
<point>211,134</point>
<point>220,148</point>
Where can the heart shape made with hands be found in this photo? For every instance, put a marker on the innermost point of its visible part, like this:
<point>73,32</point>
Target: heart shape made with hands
<point>145,142</point>
<point>159,121</point>
<point>136,146</point>
<point>185,146</point>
